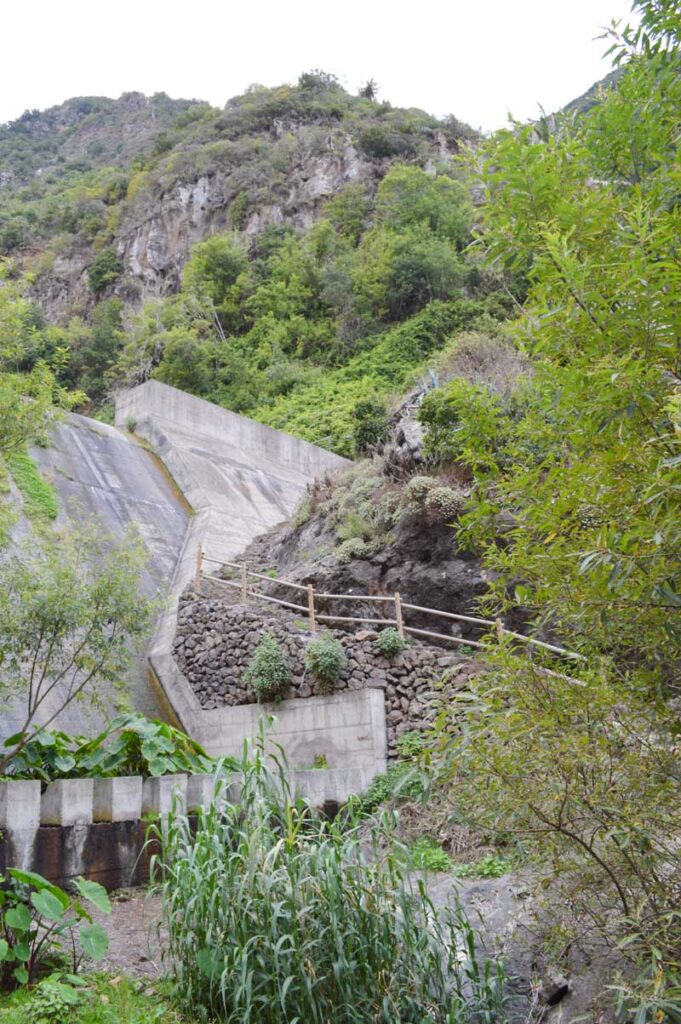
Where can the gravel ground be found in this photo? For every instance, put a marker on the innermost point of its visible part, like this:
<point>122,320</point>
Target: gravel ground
<point>134,940</point>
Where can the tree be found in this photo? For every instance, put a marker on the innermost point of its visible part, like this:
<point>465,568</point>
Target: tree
<point>188,361</point>
<point>96,348</point>
<point>576,498</point>
<point>29,401</point>
<point>70,610</point>
<point>369,91</point>
<point>217,274</point>
<point>104,270</point>
<point>409,197</point>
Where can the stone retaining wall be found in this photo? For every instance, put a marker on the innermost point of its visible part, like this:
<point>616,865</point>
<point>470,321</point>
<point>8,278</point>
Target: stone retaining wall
<point>216,638</point>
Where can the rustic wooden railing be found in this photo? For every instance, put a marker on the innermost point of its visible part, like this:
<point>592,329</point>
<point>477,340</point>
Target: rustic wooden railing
<point>314,615</point>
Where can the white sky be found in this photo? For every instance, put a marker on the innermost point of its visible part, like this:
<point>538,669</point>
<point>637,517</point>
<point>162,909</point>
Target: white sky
<point>478,59</point>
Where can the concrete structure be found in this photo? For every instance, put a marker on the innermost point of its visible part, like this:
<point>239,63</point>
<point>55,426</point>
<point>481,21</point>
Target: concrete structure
<point>67,802</point>
<point>347,728</point>
<point>115,848</point>
<point>20,804</point>
<point>163,793</point>
<point>245,477</point>
<point>242,478</point>
<point>118,799</point>
<point>104,477</point>
<point>239,478</point>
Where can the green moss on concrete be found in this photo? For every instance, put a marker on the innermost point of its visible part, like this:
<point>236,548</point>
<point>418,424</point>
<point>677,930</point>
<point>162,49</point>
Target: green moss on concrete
<point>40,499</point>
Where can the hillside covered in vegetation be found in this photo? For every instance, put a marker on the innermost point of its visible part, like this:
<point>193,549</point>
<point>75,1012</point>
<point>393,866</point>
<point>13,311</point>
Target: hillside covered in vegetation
<point>492,332</point>
<point>303,247</point>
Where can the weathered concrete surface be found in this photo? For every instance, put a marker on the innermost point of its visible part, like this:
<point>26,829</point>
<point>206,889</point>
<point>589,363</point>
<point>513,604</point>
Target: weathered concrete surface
<point>101,475</point>
<point>248,476</point>
<point>240,478</point>
<point>348,728</point>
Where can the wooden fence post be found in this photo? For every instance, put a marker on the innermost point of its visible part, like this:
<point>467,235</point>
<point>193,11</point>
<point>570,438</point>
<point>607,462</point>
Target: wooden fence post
<point>199,567</point>
<point>398,615</point>
<point>244,584</point>
<point>310,608</point>
<point>500,631</point>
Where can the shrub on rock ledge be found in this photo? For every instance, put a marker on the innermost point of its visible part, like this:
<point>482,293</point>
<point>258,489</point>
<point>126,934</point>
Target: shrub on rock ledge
<point>390,643</point>
<point>268,674</point>
<point>325,659</point>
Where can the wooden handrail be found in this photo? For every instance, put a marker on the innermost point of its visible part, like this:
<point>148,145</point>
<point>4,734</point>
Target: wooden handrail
<point>314,616</point>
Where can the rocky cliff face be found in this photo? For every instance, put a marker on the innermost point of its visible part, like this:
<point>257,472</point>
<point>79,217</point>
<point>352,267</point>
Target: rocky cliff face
<point>150,177</point>
<point>158,231</point>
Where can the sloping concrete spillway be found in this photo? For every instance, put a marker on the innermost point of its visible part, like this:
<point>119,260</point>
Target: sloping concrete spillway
<point>102,476</point>
<point>241,478</point>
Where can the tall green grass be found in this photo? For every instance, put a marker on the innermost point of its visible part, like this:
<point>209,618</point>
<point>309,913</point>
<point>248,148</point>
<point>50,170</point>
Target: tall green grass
<point>276,916</point>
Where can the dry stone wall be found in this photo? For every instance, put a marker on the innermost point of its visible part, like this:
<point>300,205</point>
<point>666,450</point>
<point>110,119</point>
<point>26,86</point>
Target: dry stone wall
<point>216,639</point>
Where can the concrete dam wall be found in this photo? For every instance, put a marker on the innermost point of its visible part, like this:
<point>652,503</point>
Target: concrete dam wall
<point>101,475</point>
<point>241,479</point>
<point>217,481</point>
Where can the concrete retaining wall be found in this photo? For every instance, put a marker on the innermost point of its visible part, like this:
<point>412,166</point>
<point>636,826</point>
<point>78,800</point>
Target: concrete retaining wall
<point>217,636</point>
<point>97,828</point>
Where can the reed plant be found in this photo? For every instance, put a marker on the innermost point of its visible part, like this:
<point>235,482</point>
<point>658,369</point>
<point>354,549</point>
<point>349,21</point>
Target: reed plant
<point>276,915</point>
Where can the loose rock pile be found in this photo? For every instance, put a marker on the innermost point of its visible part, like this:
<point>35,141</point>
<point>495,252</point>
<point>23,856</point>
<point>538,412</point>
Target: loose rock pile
<point>216,638</point>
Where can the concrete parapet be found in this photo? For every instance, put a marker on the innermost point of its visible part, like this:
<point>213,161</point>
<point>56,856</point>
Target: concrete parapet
<point>118,799</point>
<point>20,804</point>
<point>324,786</point>
<point>164,793</point>
<point>67,802</point>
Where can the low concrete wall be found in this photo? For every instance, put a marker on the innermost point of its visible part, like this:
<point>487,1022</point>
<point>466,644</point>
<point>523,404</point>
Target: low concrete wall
<point>71,830</point>
<point>348,728</point>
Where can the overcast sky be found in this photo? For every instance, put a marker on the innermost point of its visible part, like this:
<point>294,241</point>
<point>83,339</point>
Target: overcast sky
<point>478,59</point>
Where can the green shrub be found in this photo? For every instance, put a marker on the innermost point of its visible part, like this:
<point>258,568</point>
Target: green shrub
<point>490,866</point>
<point>276,915</point>
<point>53,1002</point>
<point>400,782</point>
<point>425,495</point>
<point>352,548</point>
<point>410,744</point>
<point>238,210</point>
<point>390,643</point>
<point>444,504</point>
<point>371,424</point>
<point>325,659</point>
<point>131,745</point>
<point>136,745</point>
<point>427,855</point>
<point>100,999</point>
<point>268,674</point>
<point>104,270</point>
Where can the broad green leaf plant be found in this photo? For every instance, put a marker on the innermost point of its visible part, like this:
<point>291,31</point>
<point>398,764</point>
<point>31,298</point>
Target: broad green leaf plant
<point>40,922</point>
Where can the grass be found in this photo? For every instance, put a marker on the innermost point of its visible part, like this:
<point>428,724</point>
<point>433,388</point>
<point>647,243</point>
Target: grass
<point>40,499</point>
<point>274,914</point>
<point>427,855</point>
<point>490,866</point>
<point>106,999</point>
